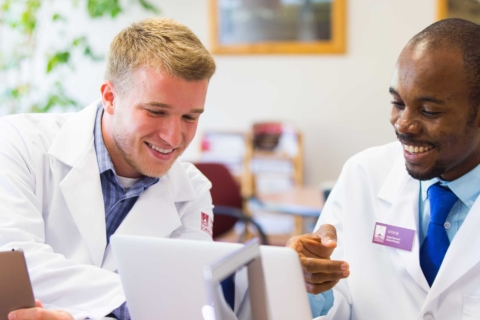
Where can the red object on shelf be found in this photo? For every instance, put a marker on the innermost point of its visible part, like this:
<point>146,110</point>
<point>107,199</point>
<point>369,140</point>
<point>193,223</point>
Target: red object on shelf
<point>266,135</point>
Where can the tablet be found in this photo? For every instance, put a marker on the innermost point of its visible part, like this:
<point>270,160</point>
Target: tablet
<point>16,290</point>
<point>255,302</point>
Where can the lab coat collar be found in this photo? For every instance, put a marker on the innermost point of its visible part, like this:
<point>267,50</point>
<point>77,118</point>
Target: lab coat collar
<point>402,192</point>
<point>394,181</point>
<point>81,187</point>
<point>75,136</point>
<point>155,213</point>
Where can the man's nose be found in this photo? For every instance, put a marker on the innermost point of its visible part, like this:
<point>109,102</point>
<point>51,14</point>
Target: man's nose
<point>406,122</point>
<point>171,132</point>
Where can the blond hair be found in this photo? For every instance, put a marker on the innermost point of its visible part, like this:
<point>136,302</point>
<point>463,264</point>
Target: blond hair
<point>160,43</point>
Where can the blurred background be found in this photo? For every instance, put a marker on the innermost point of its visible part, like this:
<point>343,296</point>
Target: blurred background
<point>52,58</point>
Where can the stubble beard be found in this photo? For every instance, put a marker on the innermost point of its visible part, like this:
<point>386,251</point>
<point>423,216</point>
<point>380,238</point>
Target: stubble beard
<point>440,167</point>
<point>436,171</point>
<point>127,148</point>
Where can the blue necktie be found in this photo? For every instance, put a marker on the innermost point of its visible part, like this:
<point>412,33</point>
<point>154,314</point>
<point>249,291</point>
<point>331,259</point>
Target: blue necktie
<point>436,243</point>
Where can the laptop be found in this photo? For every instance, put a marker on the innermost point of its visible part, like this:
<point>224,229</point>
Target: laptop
<point>245,266</point>
<point>163,278</point>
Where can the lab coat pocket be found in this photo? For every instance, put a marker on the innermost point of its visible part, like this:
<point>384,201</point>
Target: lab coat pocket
<point>471,308</point>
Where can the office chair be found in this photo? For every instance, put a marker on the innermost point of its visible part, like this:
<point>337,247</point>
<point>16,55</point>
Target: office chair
<point>227,200</point>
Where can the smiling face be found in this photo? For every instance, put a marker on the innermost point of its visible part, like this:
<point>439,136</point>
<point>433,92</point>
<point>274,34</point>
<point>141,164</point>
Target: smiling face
<point>432,114</point>
<point>147,127</point>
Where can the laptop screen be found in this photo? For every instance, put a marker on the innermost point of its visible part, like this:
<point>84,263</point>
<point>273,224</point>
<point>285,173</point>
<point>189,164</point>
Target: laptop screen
<point>163,278</point>
<point>243,266</point>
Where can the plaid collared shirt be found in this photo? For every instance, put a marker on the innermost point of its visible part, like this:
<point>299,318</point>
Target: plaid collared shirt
<point>117,202</point>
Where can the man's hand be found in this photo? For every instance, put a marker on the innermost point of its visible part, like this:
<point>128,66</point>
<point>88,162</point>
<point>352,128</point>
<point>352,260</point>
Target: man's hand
<point>39,313</point>
<point>321,273</point>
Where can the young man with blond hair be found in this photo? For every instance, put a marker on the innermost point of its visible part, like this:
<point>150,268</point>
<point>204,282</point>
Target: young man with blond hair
<point>70,181</point>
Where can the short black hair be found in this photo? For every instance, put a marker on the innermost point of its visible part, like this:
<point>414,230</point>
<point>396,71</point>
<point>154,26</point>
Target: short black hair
<point>465,36</point>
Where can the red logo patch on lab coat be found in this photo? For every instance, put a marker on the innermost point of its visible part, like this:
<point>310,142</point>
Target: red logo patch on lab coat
<point>207,224</point>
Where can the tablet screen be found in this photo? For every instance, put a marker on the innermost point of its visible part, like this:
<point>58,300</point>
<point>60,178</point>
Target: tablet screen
<point>16,290</point>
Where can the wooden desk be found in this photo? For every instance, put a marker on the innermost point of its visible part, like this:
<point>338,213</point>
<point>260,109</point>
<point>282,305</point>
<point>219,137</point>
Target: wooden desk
<point>301,201</point>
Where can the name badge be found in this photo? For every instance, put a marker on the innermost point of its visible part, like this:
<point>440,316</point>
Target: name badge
<point>392,236</point>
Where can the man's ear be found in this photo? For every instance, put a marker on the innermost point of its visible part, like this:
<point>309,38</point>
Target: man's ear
<point>108,96</point>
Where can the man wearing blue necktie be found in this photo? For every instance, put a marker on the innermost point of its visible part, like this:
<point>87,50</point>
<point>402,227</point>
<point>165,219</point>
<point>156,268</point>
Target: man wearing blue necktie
<point>422,188</point>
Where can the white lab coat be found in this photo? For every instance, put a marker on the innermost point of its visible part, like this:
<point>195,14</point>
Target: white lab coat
<point>51,206</point>
<point>388,283</point>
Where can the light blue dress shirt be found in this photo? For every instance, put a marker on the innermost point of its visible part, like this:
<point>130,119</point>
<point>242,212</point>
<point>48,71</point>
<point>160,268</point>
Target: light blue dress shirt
<point>466,188</point>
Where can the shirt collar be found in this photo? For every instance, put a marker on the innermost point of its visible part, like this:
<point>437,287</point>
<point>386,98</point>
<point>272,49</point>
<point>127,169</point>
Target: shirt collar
<point>103,158</point>
<point>466,188</point>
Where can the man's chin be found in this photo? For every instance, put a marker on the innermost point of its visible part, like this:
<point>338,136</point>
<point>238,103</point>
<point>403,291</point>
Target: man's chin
<point>156,173</point>
<point>155,169</point>
<point>424,175</point>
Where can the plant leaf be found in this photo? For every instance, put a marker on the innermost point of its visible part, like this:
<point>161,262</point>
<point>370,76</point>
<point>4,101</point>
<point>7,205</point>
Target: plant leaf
<point>59,58</point>
<point>149,7</point>
<point>100,8</point>
<point>58,17</point>
<point>79,41</point>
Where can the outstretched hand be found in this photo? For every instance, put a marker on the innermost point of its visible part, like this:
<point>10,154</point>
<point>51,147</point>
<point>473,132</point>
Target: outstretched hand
<point>320,273</point>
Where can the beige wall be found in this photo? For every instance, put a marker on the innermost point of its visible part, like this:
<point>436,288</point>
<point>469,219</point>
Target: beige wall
<point>340,102</point>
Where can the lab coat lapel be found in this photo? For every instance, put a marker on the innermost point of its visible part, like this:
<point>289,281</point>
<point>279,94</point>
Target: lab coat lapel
<point>81,187</point>
<point>402,192</point>
<point>155,213</point>
<point>462,254</point>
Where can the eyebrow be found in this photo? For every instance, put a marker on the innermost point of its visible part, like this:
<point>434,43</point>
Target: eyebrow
<point>423,99</point>
<point>392,91</point>
<point>167,106</point>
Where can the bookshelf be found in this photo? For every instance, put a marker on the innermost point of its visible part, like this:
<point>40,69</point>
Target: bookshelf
<point>268,164</point>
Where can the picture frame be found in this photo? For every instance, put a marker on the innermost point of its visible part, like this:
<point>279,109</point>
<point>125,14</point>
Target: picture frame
<point>277,26</point>
<point>468,10</point>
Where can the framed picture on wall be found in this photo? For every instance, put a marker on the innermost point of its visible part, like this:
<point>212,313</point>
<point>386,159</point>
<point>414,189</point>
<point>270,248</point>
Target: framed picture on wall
<point>465,9</point>
<point>277,26</point>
